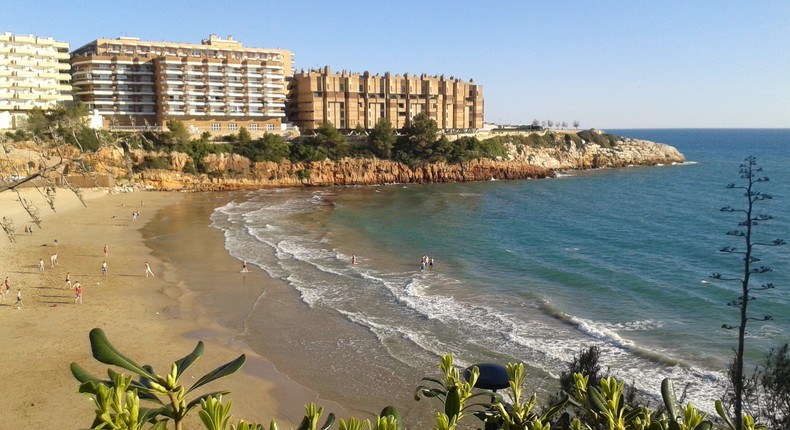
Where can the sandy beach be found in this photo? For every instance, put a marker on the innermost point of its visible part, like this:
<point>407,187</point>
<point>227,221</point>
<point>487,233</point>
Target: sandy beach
<point>154,320</point>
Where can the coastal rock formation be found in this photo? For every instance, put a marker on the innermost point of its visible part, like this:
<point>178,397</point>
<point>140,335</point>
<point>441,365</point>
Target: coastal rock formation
<point>348,171</point>
<point>569,155</point>
<point>530,156</point>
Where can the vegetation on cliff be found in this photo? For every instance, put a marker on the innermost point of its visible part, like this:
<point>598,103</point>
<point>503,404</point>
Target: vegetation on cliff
<point>177,159</point>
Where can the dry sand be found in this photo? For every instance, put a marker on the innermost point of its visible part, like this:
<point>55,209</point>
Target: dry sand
<point>152,320</point>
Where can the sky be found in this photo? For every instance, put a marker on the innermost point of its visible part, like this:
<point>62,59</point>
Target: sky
<point>606,64</point>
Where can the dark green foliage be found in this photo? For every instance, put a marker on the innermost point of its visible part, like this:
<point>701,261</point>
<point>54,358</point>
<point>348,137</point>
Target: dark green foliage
<point>270,147</point>
<point>303,174</point>
<point>88,138</point>
<point>178,135</point>
<point>419,142</point>
<point>304,149</point>
<point>18,135</point>
<point>328,138</point>
<point>244,136</point>
<point>60,122</point>
<point>190,168</point>
<point>381,139</point>
<point>585,363</point>
<point>151,162</point>
<point>198,149</point>
<point>767,392</point>
<point>603,139</point>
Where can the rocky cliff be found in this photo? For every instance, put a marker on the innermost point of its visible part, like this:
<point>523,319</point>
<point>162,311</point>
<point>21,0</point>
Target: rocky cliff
<point>552,152</point>
<point>348,171</point>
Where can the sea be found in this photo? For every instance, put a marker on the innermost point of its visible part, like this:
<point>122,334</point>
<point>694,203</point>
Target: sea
<point>531,271</point>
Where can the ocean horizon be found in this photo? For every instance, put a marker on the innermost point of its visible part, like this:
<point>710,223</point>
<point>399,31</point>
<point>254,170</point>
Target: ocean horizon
<point>531,271</point>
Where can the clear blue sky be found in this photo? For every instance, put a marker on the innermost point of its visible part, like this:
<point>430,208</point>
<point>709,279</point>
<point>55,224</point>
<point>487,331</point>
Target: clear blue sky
<point>608,64</point>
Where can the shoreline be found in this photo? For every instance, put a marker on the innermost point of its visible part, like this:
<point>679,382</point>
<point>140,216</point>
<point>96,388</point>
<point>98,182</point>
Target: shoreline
<point>145,318</point>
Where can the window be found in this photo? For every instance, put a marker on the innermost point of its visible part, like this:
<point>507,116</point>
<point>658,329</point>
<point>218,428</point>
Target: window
<point>215,127</point>
<point>269,127</point>
<point>342,87</point>
<point>361,88</point>
<point>253,127</point>
<point>232,127</point>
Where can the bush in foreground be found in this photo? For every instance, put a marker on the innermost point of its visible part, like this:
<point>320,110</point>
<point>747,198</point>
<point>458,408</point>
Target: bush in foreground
<point>119,400</point>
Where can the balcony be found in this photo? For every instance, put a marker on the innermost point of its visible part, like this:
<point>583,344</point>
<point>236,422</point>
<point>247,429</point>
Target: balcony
<point>49,97</point>
<point>25,74</point>
<point>26,84</point>
<point>25,62</point>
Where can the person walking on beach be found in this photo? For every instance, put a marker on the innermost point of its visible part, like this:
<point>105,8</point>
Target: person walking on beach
<point>78,298</point>
<point>106,250</point>
<point>41,265</point>
<point>7,285</point>
<point>68,280</point>
<point>244,268</point>
<point>148,270</point>
<point>104,268</point>
<point>354,259</point>
<point>19,298</point>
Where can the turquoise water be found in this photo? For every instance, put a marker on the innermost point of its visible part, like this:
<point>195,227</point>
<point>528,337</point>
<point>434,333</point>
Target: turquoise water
<point>536,270</point>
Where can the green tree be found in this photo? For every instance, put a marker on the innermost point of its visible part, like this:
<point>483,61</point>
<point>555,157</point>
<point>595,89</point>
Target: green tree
<point>178,134</point>
<point>244,135</point>
<point>382,139</point>
<point>419,142</point>
<point>749,173</point>
<point>336,144</point>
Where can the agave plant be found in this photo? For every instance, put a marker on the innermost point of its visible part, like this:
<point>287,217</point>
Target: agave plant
<point>118,398</point>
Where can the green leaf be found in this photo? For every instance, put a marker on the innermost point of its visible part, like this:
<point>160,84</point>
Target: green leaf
<point>555,408</point>
<point>106,353</point>
<point>452,404</point>
<point>330,419</point>
<point>221,371</point>
<point>89,387</point>
<point>723,414</point>
<point>392,411</point>
<point>668,393</point>
<point>184,363</point>
<point>82,375</point>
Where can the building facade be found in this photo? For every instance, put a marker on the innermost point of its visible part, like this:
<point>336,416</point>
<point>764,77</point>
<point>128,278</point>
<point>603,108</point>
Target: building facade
<point>217,86</point>
<point>34,73</point>
<point>348,100</point>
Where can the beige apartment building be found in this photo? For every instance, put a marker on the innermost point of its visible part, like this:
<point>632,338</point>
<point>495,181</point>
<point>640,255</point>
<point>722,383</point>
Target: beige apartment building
<point>217,86</point>
<point>350,99</point>
<point>34,72</point>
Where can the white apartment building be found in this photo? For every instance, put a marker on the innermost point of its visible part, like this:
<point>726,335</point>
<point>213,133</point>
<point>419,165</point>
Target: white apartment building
<point>34,72</point>
<point>217,86</point>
